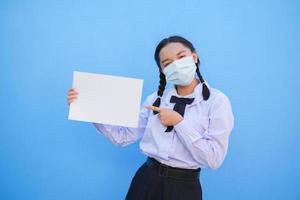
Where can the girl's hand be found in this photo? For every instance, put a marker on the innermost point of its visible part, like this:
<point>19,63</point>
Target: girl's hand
<point>167,116</point>
<point>72,95</point>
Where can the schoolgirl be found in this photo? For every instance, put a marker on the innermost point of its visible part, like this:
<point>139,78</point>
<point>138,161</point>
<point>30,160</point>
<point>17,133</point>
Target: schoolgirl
<point>182,129</point>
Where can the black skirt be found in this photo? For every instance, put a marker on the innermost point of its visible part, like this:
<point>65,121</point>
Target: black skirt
<point>152,183</point>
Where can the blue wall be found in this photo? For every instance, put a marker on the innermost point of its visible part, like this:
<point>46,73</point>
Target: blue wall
<point>249,50</point>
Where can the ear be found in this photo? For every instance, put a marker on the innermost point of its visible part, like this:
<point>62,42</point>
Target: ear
<point>195,57</point>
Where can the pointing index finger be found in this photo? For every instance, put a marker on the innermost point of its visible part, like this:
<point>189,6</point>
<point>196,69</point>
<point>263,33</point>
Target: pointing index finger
<point>154,108</point>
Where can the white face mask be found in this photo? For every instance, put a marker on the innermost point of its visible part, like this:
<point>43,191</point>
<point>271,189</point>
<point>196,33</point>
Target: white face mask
<point>181,72</point>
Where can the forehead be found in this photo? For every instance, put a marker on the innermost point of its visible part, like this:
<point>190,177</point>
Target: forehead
<point>171,49</point>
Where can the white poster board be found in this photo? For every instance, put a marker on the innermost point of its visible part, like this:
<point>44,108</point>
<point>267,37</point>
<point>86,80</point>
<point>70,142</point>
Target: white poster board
<point>106,99</point>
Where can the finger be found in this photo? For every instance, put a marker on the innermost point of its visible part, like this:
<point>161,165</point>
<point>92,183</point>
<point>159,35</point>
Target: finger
<point>72,95</point>
<point>154,108</point>
<point>72,98</point>
<point>72,90</point>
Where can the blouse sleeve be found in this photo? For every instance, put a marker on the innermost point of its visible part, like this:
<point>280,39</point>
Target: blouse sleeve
<point>122,136</point>
<point>209,149</point>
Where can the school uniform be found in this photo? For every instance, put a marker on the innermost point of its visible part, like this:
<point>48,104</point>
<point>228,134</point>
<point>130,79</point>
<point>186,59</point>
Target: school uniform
<point>176,154</point>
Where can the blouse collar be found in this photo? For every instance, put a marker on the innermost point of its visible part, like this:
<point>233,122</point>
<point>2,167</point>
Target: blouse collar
<point>197,94</point>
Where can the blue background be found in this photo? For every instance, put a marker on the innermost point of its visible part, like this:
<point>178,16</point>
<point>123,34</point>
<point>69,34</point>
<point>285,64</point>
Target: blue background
<point>249,50</point>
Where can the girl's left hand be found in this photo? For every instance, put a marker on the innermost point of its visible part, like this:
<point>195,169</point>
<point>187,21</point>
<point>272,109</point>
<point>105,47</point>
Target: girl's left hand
<point>167,116</point>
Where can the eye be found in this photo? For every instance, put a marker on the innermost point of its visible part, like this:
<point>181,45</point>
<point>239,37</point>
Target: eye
<point>166,64</point>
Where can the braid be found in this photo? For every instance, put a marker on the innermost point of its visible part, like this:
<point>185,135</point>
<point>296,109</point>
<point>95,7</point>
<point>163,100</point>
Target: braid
<point>205,90</point>
<point>161,88</point>
<point>162,84</point>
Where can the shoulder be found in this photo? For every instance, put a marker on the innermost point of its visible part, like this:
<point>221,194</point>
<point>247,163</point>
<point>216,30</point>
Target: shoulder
<point>218,99</point>
<point>150,98</point>
<point>217,95</point>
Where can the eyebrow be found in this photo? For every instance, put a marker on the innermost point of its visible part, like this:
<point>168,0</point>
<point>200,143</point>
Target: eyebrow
<point>180,52</point>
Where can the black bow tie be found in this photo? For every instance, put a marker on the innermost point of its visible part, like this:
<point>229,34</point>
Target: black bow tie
<point>179,107</point>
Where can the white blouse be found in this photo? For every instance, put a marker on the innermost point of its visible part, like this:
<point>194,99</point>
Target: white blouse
<point>199,140</point>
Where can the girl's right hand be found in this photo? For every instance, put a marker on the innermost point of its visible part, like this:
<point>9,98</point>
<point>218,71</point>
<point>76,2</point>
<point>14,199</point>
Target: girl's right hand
<point>72,95</point>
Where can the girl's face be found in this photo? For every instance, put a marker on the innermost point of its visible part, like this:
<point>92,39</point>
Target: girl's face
<point>174,51</point>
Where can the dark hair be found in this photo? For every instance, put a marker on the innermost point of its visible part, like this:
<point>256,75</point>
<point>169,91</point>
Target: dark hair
<point>162,78</point>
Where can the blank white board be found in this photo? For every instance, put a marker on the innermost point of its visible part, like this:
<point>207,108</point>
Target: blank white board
<point>106,99</point>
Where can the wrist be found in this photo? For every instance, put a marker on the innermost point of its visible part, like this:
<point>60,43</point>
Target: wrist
<point>179,119</point>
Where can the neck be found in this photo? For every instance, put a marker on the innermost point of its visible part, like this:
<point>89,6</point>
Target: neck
<point>188,89</point>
